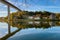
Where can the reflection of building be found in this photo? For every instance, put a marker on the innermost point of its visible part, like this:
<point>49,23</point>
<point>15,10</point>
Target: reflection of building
<point>30,22</point>
<point>52,23</point>
<point>57,23</point>
<point>34,22</point>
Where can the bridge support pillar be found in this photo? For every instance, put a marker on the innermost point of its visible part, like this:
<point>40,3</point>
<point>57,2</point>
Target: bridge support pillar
<point>9,28</point>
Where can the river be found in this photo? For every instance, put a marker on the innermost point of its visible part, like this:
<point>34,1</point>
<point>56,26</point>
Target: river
<point>30,32</point>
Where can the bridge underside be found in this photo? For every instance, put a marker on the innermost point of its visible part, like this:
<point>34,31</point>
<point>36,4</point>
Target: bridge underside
<point>9,4</point>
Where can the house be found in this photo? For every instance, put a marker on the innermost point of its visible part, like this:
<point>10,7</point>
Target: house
<point>36,17</point>
<point>30,17</point>
<point>44,16</point>
<point>52,16</point>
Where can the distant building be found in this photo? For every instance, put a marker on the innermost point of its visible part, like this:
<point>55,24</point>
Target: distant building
<point>36,17</point>
<point>44,16</point>
<point>30,17</point>
<point>52,16</point>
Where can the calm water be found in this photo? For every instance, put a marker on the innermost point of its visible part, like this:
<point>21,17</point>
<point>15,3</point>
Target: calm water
<point>30,31</point>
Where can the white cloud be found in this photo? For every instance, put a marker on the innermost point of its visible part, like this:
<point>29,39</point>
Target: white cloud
<point>4,27</point>
<point>0,4</point>
<point>22,5</point>
<point>18,3</point>
<point>6,32</point>
<point>5,6</point>
<point>3,12</point>
<point>0,34</point>
<point>50,6</point>
<point>45,6</point>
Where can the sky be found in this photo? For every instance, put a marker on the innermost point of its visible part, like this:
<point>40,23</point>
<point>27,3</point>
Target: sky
<point>32,5</point>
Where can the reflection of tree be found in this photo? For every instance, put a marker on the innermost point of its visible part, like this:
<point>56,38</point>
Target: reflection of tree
<point>27,25</point>
<point>23,25</point>
<point>57,23</point>
<point>42,24</point>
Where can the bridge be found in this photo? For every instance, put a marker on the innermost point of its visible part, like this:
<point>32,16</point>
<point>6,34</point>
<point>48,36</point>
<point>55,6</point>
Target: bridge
<point>9,4</point>
<point>13,6</point>
<point>8,7</point>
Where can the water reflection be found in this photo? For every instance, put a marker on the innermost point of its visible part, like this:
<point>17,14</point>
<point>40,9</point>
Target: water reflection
<point>9,34</point>
<point>35,24</point>
<point>29,24</point>
<point>6,34</point>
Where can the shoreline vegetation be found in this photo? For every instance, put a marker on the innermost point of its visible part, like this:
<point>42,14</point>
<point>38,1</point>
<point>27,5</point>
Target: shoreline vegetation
<point>25,19</point>
<point>32,16</point>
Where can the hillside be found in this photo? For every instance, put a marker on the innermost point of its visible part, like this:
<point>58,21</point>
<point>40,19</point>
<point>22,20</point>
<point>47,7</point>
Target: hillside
<point>38,14</point>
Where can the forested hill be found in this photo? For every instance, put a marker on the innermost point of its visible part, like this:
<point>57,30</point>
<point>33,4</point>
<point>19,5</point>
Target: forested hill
<point>26,13</point>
